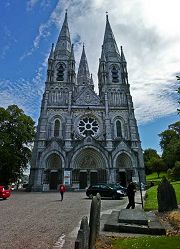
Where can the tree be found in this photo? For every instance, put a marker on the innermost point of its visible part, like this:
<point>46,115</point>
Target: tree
<point>157,165</point>
<point>149,155</point>
<point>170,144</point>
<point>17,131</point>
<point>174,173</point>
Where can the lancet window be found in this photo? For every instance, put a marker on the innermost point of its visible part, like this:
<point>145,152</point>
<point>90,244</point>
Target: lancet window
<point>60,73</point>
<point>56,128</point>
<point>118,129</point>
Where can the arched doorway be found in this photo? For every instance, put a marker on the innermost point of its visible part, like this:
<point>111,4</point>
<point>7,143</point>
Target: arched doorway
<point>53,171</point>
<point>89,167</point>
<point>124,169</point>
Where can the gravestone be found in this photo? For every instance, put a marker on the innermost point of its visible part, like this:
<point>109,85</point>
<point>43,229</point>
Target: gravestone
<point>166,196</point>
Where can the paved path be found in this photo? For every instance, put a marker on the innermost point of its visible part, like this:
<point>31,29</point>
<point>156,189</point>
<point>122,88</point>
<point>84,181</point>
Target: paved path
<point>41,220</point>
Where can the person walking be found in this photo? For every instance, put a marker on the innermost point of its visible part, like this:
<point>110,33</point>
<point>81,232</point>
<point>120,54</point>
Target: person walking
<point>62,189</point>
<point>131,189</point>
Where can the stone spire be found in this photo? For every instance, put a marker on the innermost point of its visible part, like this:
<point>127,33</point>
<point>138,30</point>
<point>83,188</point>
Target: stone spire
<point>51,55</point>
<point>123,60</point>
<point>71,67</point>
<point>103,58</point>
<point>63,45</point>
<point>83,76</point>
<point>124,73</point>
<point>109,44</point>
<point>71,58</point>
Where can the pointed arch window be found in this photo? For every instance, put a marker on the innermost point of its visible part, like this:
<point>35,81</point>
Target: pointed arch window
<point>115,76</point>
<point>56,128</point>
<point>60,73</point>
<point>118,129</point>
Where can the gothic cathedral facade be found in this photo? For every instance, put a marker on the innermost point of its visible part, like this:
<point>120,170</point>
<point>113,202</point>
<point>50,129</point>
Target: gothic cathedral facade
<point>84,138</point>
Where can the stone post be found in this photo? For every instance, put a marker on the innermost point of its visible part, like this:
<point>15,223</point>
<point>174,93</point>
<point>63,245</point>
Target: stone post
<point>94,221</point>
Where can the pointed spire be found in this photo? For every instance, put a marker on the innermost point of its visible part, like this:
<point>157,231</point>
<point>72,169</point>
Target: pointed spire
<point>91,81</point>
<point>83,76</point>
<point>72,53</point>
<point>103,58</point>
<point>63,45</point>
<point>122,56</point>
<point>51,55</point>
<point>109,43</point>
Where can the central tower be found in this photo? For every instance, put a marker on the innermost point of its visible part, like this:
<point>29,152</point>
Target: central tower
<point>84,138</point>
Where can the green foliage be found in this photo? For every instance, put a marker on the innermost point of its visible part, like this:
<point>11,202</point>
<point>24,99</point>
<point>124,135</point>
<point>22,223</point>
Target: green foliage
<point>170,144</point>
<point>151,199</point>
<point>158,165</point>
<point>149,156</point>
<point>169,174</point>
<point>17,131</point>
<point>149,153</point>
<point>153,177</point>
<point>147,242</point>
<point>174,173</point>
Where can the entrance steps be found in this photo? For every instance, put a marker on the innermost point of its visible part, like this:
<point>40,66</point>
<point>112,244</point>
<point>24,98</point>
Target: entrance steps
<point>134,221</point>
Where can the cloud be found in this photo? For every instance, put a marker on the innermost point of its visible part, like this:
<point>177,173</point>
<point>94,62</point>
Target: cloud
<point>26,93</point>
<point>150,38</point>
<point>43,4</point>
<point>31,4</point>
<point>7,41</point>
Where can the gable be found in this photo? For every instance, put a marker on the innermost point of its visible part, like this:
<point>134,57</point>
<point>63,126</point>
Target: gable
<point>87,97</point>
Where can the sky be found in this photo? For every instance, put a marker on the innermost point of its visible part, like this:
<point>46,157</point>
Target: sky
<point>148,30</point>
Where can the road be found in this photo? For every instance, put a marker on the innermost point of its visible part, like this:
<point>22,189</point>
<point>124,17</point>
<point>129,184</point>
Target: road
<point>41,220</point>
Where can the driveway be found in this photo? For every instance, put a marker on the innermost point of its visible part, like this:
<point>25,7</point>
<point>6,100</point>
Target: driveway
<point>41,220</point>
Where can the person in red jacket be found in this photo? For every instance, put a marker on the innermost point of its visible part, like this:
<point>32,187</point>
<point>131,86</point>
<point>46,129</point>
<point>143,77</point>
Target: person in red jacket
<point>62,189</point>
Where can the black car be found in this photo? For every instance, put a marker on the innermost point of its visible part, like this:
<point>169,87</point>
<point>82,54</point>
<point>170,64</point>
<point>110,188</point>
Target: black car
<point>118,187</point>
<point>105,191</point>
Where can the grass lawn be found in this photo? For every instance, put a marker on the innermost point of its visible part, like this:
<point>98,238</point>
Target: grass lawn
<point>151,242</point>
<point>154,177</point>
<point>151,199</point>
<point>147,242</point>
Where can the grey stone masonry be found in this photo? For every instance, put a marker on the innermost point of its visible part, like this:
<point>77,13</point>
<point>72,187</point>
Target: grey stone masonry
<point>134,221</point>
<point>84,138</point>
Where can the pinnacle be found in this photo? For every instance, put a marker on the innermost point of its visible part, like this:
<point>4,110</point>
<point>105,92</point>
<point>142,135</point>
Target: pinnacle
<point>63,45</point>
<point>109,43</point>
<point>83,76</point>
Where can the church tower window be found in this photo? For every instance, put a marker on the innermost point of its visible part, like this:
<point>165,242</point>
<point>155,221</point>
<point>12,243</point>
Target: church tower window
<point>60,73</point>
<point>56,128</point>
<point>115,76</point>
<point>118,129</point>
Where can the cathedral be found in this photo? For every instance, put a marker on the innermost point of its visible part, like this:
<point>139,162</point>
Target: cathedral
<point>84,138</point>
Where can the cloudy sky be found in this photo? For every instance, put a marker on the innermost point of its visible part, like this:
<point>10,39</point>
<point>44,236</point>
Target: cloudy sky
<point>148,30</point>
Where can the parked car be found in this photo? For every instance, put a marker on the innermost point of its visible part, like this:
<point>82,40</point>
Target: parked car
<point>105,191</point>
<point>118,186</point>
<point>143,186</point>
<point>4,193</point>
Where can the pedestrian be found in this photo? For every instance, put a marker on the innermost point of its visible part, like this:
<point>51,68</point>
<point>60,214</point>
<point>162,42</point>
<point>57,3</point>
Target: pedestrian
<point>131,189</point>
<point>62,189</point>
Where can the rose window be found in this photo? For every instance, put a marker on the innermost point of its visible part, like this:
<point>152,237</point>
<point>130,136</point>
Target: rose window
<point>88,127</point>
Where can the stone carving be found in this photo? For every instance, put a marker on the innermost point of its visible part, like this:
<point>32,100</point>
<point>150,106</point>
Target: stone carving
<point>87,97</point>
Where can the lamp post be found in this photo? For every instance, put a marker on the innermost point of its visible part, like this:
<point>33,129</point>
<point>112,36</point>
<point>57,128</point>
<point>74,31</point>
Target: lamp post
<point>139,176</point>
